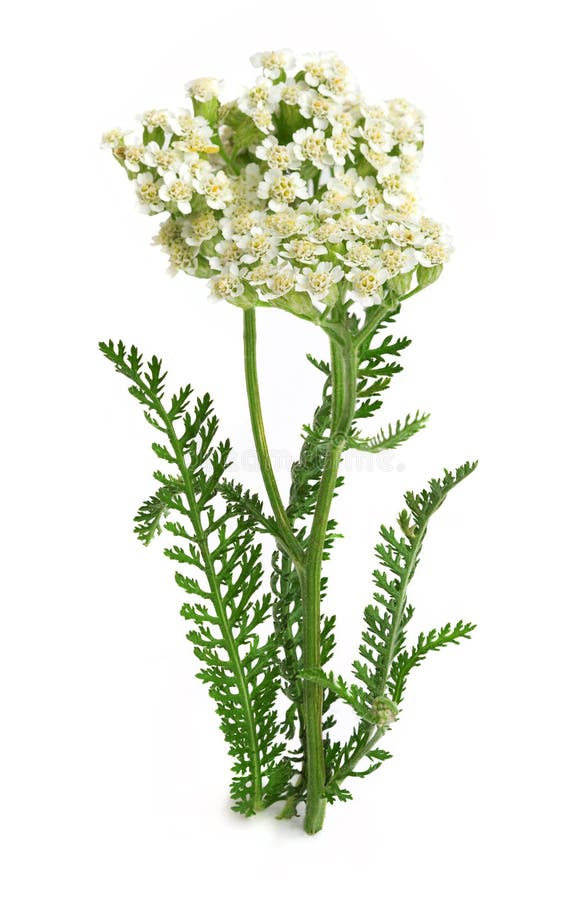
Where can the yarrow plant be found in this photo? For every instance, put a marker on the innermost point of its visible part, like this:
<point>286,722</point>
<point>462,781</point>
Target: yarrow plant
<point>301,196</point>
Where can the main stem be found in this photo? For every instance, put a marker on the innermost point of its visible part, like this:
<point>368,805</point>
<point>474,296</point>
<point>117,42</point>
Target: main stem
<point>343,371</point>
<point>309,567</point>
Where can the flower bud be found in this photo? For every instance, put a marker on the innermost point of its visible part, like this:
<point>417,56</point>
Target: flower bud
<point>384,711</point>
<point>427,274</point>
<point>401,283</point>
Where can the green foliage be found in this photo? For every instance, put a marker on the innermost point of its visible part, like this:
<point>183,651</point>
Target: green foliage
<point>215,523</point>
<point>342,761</point>
<point>377,366</point>
<point>354,695</point>
<point>398,553</point>
<point>383,664</point>
<point>306,473</point>
<point>217,547</point>
<point>391,437</point>
<point>152,513</point>
<point>426,643</point>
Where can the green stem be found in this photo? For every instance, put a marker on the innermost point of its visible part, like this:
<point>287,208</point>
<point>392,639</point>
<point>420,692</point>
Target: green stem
<point>288,539</point>
<point>344,377</point>
<point>372,736</point>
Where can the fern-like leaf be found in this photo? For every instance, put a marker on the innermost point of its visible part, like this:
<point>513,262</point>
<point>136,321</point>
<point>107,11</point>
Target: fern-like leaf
<point>398,554</point>
<point>383,664</point>
<point>223,577</point>
<point>152,513</point>
<point>353,695</point>
<point>391,437</point>
<point>426,643</point>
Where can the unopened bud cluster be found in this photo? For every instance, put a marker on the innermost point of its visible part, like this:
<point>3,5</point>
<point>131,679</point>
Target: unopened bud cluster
<point>384,711</point>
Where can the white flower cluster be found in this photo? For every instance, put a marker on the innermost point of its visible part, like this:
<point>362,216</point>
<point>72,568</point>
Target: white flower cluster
<point>294,195</point>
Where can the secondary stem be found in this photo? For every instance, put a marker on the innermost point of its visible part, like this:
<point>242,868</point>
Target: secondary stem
<point>343,367</point>
<point>289,540</point>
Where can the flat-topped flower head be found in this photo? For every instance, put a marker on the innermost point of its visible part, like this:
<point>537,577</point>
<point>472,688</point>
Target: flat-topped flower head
<point>304,185</point>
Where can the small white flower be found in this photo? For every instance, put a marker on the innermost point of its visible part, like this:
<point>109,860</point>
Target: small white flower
<point>310,145</point>
<point>377,159</point>
<point>378,135</point>
<point>113,138</point>
<point>336,86</point>
<point>290,92</point>
<point>430,229</point>
<point>148,192</point>
<point>365,229</point>
<point>407,131</point>
<point>177,189</point>
<point>281,190</point>
<point>338,196</point>
<point>389,175</point>
<point>216,189</point>
<point>161,158</point>
<point>340,145</point>
<point>228,284</point>
<point>404,206</point>
<point>197,167</point>
<point>399,107</point>
<point>203,89</point>
<point>155,118</point>
<point>276,155</point>
<point>368,192</point>
<point>281,282</point>
<point>315,69</point>
<point>183,121</point>
<point>262,273</point>
<point>287,223</point>
<point>239,220</point>
<point>198,139</point>
<point>200,228</point>
<point>394,182</point>
<point>133,153</point>
<point>225,252</point>
<point>257,244</point>
<point>181,256</point>
<point>303,250</point>
<point>359,253</point>
<point>434,254</point>
<point>322,110</point>
<point>405,234</point>
<point>331,231</point>
<point>262,95</point>
<point>397,260</point>
<point>263,119</point>
<point>318,282</point>
<point>366,284</point>
<point>273,61</point>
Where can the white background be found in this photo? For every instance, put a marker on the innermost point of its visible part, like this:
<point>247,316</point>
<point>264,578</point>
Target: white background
<point>114,770</point>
